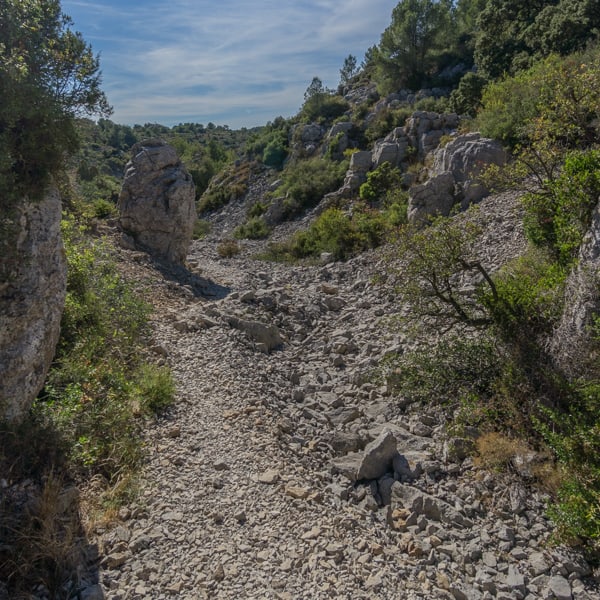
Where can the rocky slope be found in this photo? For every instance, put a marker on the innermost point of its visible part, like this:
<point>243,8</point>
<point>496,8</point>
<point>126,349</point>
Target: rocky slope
<point>288,470</point>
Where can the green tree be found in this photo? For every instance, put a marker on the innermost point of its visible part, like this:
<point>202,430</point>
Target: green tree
<point>349,69</point>
<point>512,34</point>
<point>410,48</point>
<point>48,76</point>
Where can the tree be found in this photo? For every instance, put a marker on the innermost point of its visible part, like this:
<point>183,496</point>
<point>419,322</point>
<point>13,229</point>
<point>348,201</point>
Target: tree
<point>48,76</point>
<point>349,69</point>
<point>419,33</point>
<point>513,34</point>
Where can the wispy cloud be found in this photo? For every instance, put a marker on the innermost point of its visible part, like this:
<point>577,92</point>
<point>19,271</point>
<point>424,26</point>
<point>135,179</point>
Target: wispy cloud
<point>229,62</point>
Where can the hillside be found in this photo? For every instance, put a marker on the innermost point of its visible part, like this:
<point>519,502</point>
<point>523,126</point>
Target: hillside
<point>352,353</point>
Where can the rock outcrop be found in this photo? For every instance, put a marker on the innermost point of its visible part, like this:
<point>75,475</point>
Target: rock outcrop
<point>32,296</point>
<point>156,203</point>
<point>454,176</point>
<point>571,343</point>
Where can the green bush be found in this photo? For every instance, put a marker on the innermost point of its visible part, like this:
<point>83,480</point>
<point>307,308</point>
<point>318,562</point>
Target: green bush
<point>323,108</point>
<point>201,229</point>
<point>382,181</point>
<point>385,121</point>
<point>557,99</point>
<point>94,388</point>
<point>559,216</point>
<point>340,233</point>
<point>306,182</point>
<point>466,98</point>
<point>254,229</point>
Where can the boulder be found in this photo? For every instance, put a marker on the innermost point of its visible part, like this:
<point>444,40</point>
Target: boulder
<point>466,156</point>
<point>32,297</point>
<point>157,201</point>
<point>266,337</point>
<point>434,197</point>
<point>378,457</point>
<point>572,342</point>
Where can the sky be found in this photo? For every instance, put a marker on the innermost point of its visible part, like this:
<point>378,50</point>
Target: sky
<point>240,63</point>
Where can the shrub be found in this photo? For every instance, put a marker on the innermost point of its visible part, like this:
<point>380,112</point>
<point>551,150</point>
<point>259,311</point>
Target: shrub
<point>341,234</point>
<point>228,249</point>
<point>323,107</point>
<point>306,182</point>
<point>382,181</point>
<point>466,98</point>
<point>89,397</point>
<point>385,121</point>
<point>558,216</point>
<point>254,229</point>
<point>201,229</point>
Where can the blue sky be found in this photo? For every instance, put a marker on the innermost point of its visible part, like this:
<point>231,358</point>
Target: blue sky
<point>230,62</point>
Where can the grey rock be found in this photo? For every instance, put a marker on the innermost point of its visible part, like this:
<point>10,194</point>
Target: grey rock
<point>378,457</point>
<point>560,588</point>
<point>572,341</point>
<point>268,336</point>
<point>157,201</point>
<point>33,279</point>
<point>434,197</point>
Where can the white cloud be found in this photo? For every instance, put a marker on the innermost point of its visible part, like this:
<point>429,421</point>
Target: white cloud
<point>230,62</point>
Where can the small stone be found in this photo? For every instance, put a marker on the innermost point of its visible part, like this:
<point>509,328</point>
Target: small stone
<point>116,560</point>
<point>174,432</point>
<point>218,572</point>
<point>220,466</point>
<point>314,533</point>
<point>299,493</point>
<point>270,476</point>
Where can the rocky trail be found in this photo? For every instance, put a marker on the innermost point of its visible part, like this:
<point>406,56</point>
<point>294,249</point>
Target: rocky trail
<point>286,469</point>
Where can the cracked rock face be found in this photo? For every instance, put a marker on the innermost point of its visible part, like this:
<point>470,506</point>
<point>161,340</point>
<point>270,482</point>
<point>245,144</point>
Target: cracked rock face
<point>32,297</point>
<point>156,203</point>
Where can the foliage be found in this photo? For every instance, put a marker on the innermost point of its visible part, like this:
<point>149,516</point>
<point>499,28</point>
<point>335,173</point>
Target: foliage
<point>201,229</point>
<point>230,184</point>
<point>454,370</point>
<point>228,249</point>
<point>348,70</point>
<point>99,382</point>
<point>411,47</point>
<point>558,216</point>
<point>337,232</point>
<point>574,436</point>
<point>382,181</point>
<point>466,98</point>
<point>304,183</point>
<point>254,229</point>
<point>558,99</point>
<point>270,144</point>
<point>385,121</point>
<point>513,34</point>
<point>435,264</point>
<point>48,75</point>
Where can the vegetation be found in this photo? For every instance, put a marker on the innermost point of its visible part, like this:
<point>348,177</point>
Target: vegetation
<point>304,183</point>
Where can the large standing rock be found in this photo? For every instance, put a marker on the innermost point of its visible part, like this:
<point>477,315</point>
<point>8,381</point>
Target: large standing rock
<point>572,343</point>
<point>32,297</point>
<point>454,176</point>
<point>157,201</point>
<point>434,197</point>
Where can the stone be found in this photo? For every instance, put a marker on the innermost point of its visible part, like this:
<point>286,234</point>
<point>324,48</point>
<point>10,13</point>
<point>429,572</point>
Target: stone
<point>434,197</point>
<point>157,201</point>
<point>572,341</point>
<point>560,588</point>
<point>270,476</point>
<point>268,336</point>
<point>466,156</point>
<point>378,457</point>
<point>33,280</point>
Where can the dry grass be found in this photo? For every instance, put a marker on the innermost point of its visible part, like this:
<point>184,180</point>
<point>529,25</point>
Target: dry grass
<point>497,452</point>
<point>228,249</point>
